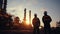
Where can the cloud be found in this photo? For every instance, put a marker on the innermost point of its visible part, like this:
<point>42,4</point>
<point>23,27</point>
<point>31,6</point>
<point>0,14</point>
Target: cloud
<point>32,2</point>
<point>43,9</point>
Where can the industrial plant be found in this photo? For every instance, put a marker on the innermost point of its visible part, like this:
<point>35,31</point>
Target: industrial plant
<point>6,21</point>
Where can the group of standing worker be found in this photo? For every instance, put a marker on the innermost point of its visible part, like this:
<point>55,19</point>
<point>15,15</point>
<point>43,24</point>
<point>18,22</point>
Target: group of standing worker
<point>46,20</point>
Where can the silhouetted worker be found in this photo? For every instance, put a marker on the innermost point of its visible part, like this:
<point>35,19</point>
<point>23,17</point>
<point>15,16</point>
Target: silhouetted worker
<point>46,20</point>
<point>36,24</point>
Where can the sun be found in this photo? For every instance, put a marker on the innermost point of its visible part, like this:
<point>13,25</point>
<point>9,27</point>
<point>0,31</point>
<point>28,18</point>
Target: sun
<point>27,22</point>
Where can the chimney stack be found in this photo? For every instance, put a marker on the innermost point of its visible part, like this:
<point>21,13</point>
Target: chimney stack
<point>30,16</point>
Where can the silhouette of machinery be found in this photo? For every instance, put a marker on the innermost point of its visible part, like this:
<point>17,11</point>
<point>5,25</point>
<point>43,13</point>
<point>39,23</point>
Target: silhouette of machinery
<point>5,19</point>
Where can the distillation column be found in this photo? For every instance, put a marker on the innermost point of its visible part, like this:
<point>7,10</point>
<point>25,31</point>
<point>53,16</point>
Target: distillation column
<point>30,16</point>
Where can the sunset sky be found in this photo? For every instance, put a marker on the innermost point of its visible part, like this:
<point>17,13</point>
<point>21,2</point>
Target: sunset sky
<point>16,8</point>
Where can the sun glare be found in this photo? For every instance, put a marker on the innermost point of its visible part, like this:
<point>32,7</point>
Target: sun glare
<point>27,22</point>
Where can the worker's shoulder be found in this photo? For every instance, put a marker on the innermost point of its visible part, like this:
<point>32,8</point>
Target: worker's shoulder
<point>37,18</point>
<point>46,16</point>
